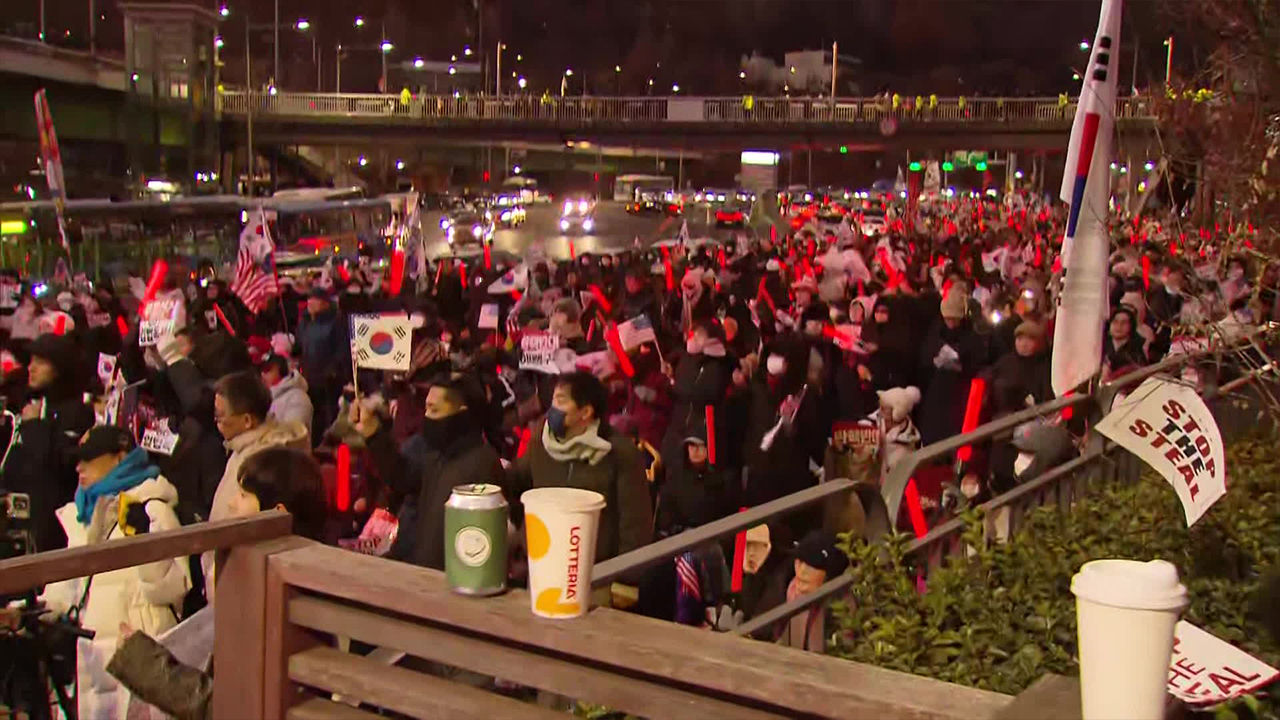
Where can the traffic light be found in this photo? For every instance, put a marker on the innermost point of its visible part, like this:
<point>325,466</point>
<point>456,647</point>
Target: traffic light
<point>947,166</point>
<point>914,167</point>
<point>486,176</point>
<point>596,177</point>
<point>980,166</point>
<point>844,149</point>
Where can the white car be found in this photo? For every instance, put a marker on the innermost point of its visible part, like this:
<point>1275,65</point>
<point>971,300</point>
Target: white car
<point>578,215</point>
<point>874,224</point>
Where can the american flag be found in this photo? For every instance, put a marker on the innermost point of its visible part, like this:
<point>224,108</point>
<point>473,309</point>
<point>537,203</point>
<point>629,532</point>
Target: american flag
<point>636,332</point>
<point>254,283</point>
<point>687,576</point>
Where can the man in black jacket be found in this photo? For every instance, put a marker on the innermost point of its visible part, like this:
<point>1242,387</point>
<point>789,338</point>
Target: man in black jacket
<point>449,450</point>
<point>53,420</point>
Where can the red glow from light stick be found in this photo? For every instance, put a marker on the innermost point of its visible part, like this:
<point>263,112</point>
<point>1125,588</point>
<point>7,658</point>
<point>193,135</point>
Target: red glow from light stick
<point>223,319</point>
<point>488,263</point>
<point>624,362</point>
<point>762,292</point>
<point>159,269</point>
<point>598,294</point>
<point>914,510</point>
<point>525,434</point>
<point>343,499</point>
<point>571,253</point>
<point>977,387</point>
<point>1146,272</point>
<point>739,556</point>
<point>462,274</point>
<point>122,326</point>
<point>397,272</point>
<point>61,327</point>
<point>711,434</point>
<point>666,263</point>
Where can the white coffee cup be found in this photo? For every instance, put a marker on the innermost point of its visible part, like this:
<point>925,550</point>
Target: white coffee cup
<point>1126,612</point>
<point>560,529</point>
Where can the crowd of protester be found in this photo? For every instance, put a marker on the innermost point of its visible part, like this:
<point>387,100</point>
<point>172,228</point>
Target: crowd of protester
<point>775,363</point>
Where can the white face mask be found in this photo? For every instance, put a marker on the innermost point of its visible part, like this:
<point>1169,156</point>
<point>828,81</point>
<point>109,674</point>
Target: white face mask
<point>776,365</point>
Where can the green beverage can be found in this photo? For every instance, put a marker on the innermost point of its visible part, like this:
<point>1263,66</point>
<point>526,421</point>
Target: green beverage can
<point>475,540</point>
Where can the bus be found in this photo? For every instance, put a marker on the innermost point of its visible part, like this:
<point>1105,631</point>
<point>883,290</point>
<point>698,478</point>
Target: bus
<point>628,188</point>
<point>352,192</point>
<point>309,232</point>
<point>526,187</point>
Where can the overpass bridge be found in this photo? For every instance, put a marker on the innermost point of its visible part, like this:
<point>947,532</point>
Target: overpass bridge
<point>707,123</point>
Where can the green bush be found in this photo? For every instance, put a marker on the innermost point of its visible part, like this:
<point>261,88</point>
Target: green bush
<point>1005,616</point>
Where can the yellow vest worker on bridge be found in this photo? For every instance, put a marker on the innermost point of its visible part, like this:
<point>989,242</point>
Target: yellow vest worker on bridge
<point>748,102</point>
<point>405,96</point>
<point>897,101</point>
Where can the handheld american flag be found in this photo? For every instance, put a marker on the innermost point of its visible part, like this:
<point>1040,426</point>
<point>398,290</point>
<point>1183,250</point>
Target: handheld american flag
<point>382,342</point>
<point>636,332</point>
<point>255,278</point>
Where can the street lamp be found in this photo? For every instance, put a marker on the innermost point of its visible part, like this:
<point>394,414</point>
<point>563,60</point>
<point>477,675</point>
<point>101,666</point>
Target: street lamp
<point>224,11</point>
<point>617,68</point>
<point>386,46</point>
<point>399,164</point>
<point>363,161</point>
<point>742,74</point>
<point>418,63</point>
<point>453,70</point>
<point>675,88</point>
<point>359,22</point>
<point>522,83</point>
<point>568,72</point>
<point>1084,45</point>
<point>519,57</point>
<point>217,41</point>
<point>466,50</point>
<point>303,24</point>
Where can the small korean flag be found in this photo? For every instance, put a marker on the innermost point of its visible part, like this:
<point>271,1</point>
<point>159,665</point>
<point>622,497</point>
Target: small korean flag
<point>382,342</point>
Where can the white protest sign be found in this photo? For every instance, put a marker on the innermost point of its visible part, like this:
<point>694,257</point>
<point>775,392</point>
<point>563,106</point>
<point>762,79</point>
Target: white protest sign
<point>158,438</point>
<point>9,293</point>
<point>488,317</point>
<point>1205,670</point>
<point>1167,425</point>
<point>538,352</point>
<point>160,321</point>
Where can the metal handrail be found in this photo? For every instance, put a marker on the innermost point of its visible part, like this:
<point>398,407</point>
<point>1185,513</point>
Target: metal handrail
<point>744,109</point>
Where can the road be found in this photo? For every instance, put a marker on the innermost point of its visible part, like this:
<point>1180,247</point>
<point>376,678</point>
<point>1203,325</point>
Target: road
<point>615,230</point>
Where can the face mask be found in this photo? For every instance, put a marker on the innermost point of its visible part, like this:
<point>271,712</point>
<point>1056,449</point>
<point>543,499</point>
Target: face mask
<point>694,345</point>
<point>557,421</point>
<point>776,365</point>
<point>440,433</point>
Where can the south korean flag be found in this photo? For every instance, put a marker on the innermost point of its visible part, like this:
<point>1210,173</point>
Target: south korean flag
<point>382,342</point>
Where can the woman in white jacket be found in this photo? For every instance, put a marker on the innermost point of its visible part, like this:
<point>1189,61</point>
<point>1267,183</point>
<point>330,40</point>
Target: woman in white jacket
<point>120,494</point>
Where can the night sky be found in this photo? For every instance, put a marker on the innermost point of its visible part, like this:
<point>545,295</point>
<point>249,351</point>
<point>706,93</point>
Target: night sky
<point>915,46</point>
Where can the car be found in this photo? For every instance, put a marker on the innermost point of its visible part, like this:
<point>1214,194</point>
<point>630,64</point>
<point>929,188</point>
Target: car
<point>713,196</point>
<point>507,210</point>
<point>833,212</point>
<point>467,227</point>
<point>744,196</point>
<point>666,203</point>
<point>578,214</point>
<point>730,216</point>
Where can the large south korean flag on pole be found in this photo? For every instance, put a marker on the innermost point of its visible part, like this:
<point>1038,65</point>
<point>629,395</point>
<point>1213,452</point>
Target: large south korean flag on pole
<point>381,342</point>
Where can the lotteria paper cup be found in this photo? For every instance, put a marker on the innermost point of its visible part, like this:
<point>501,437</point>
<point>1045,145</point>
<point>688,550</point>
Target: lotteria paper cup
<point>560,528</point>
<point>1126,612</point>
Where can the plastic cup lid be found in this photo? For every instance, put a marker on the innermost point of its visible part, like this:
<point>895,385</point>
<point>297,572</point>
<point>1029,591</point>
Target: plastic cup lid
<point>562,498</point>
<point>1131,584</point>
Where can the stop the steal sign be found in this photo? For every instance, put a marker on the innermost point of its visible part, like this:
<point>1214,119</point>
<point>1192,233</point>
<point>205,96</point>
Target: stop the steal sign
<point>1167,425</point>
<point>1205,670</point>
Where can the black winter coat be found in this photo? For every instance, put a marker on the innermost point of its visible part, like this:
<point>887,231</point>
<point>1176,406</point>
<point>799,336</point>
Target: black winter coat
<point>947,390</point>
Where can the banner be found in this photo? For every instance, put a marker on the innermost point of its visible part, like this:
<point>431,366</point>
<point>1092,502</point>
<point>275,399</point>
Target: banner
<point>538,352</point>
<point>382,342</point>
<point>1205,670</point>
<point>161,320</point>
<point>1167,425</point>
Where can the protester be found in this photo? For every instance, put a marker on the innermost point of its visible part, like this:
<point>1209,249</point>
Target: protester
<point>325,361</point>
<point>120,494</point>
<point>289,399</point>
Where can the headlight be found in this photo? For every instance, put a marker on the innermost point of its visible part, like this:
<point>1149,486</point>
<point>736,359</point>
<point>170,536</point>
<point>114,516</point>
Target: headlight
<point>488,215</point>
<point>505,216</point>
<point>582,206</point>
<point>564,224</point>
<point>568,208</point>
<point>444,223</point>
<point>588,224</point>
<point>719,198</point>
<point>697,198</point>
<point>476,230</point>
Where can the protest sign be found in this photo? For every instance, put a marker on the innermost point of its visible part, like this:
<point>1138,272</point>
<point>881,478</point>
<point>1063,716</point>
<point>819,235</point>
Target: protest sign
<point>9,293</point>
<point>538,352</point>
<point>1205,670</point>
<point>160,321</point>
<point>158,438</point>
<point>488,317</point>
<point>860,437</point>
<point>1167,425</point>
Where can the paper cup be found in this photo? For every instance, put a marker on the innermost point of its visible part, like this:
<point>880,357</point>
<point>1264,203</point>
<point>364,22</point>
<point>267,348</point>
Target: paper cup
<point>560,528</point>
<point>1126,612</point>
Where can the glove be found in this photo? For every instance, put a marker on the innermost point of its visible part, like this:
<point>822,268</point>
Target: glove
<point>723,618</point>
<point>947,358</point>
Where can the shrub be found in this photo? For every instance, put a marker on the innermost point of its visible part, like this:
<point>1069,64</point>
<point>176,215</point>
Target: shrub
<point>1004,616</point>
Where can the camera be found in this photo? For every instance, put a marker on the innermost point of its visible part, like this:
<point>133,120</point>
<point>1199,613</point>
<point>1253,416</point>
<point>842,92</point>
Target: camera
<point>15,525</point>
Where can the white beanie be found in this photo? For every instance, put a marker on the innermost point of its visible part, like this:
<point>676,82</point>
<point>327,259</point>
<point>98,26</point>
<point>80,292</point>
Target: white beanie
<point>901,401</point>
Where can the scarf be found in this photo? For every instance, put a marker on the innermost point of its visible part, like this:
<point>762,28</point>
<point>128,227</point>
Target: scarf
<point>588,446</point>
<point>133,470</point>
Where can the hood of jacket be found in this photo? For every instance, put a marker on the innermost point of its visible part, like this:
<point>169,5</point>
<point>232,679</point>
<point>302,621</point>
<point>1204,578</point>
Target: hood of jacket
<point>294,381</point>
<point>269,434</point>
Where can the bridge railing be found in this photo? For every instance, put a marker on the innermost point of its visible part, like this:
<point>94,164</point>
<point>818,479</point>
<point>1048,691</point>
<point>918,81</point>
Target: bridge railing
<point>745,110</point>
